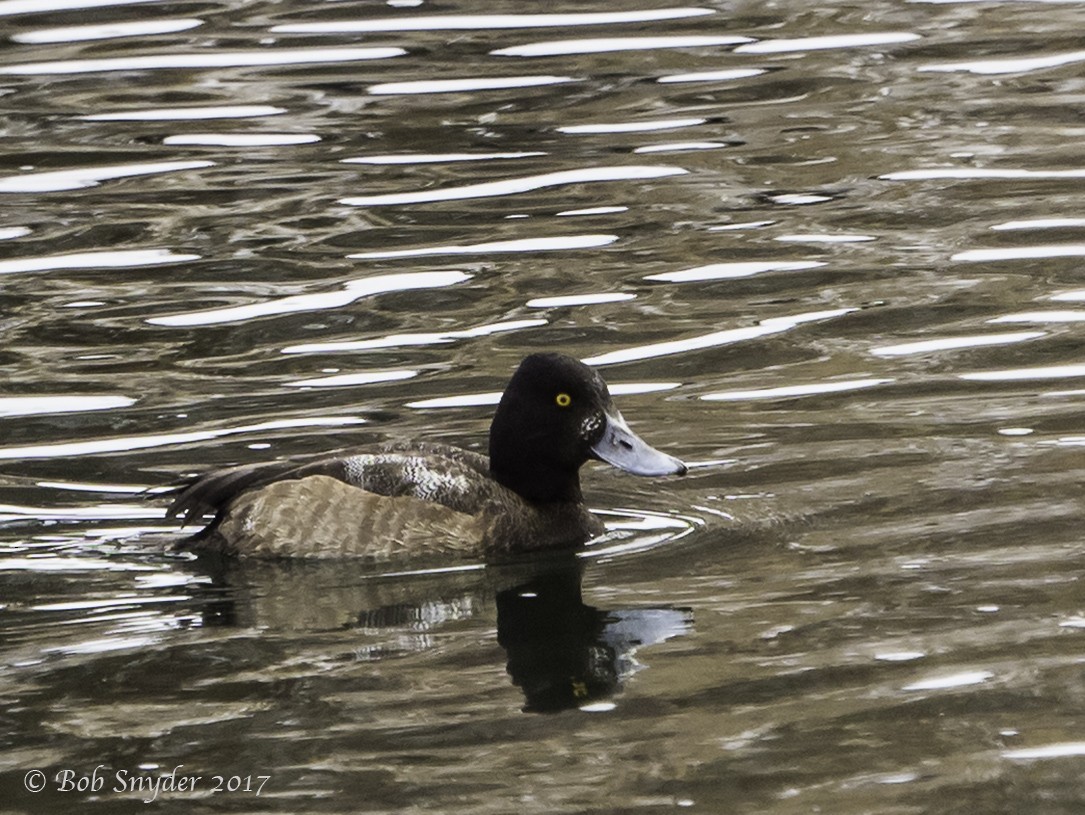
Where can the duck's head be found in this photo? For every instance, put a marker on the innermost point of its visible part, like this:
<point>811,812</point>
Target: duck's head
<point>556,413</point>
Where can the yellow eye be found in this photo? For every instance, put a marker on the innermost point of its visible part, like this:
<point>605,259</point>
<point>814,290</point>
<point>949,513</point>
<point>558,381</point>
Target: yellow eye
<point>563,400</point>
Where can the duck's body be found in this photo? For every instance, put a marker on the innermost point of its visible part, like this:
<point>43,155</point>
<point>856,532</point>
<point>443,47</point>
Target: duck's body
<point>429,500</point>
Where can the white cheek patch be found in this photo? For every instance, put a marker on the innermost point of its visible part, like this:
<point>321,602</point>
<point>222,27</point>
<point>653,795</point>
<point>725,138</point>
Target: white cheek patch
<point>590,426</point>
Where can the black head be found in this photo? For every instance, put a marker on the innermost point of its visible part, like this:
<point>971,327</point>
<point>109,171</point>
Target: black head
<point>556,413</point>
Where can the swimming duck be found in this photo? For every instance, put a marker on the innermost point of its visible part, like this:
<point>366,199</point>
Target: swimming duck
<point>431,499</point>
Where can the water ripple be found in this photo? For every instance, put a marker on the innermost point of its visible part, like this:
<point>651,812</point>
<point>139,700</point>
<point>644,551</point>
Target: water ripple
<point>118,444</point>
<point>210,59</point>
<point>772,325</point>
<point>481,83</point>
<point>405,340</point>
<point>480,22</point>
<point>101,259</point>
<point>976,173</point>
<point>1013,65</point>
<point>41,405</point>
<point>954,343</point>
<point>105,31</point>
<point>713,76</point>
<point>734,270</point>
<point>513,186</point>
<point>520,245</point>
<point>361,378</point>
<point>633,127</point>
<point>438,158</point>
<point>186,114</point>
<point>1022,253</point>
<point>243,139</point>
<point>60,180</point>
<point>1040,223</point>
<point>579,300</point>
<point>8,7</point>
<point>351,291</point>
<point>828,42</point>
<point>792,391</point>
<point>602,45</point>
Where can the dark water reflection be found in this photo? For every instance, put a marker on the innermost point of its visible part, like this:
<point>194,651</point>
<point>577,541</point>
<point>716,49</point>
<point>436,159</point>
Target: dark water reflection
<point>831,256</point>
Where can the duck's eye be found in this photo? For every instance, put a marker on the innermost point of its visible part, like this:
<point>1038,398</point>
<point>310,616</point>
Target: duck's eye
<point>563,400</point>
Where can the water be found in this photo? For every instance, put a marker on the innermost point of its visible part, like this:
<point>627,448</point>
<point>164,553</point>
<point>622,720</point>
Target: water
<point>831,256</point>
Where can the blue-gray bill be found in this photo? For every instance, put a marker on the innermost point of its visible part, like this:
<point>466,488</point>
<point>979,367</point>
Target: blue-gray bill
<point>624,449</point>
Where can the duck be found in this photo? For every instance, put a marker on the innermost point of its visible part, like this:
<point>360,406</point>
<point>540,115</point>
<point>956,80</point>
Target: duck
<point>405,500</point>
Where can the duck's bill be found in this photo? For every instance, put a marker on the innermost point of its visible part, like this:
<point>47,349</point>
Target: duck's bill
<point>624,449</point>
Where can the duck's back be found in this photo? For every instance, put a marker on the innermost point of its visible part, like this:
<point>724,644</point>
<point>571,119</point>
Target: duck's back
<point>397,501</point>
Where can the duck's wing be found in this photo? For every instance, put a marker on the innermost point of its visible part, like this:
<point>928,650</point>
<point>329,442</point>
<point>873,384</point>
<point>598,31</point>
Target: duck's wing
<point>445,475</point>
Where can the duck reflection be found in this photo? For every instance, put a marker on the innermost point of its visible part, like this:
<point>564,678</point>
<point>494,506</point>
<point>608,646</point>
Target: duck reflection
<point>561,652</point>
<point>564,653</point>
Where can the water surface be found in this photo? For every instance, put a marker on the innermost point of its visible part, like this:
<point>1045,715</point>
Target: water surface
<point>831,257</point>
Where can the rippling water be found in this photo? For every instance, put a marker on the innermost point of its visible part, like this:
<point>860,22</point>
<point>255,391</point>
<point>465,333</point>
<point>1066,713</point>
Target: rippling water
<point>831,256</point>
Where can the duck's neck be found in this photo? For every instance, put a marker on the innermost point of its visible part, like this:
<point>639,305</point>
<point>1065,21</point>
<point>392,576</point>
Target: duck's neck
<point>539,483</point>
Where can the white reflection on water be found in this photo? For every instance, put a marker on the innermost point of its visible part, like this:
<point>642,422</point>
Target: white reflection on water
<point>1040,223</point>
<point>481,83</point>
<point>1041,317</point>
<point>602,45</point>
<point>737,269</point>
<point>104,259</point>
<point>1022,253</point>
<point>1070,296</point>
<point>1066,749</point>
<point>975,173</point>
<point>632,127</point>
<point>186,114</point>
<point>11,232</point>
<point>210,59</point>
<point>579,300</point>
<point>825,238</point>
<point>243,139</point>
<point>590,211</point>
<point>799,199</point>
<point>513,186</point>
<point>133,512</point>
<point>899,656</point>
<point>105,31</point>
<point>792,391</point>
<point>69,564</point>
<point>521,245</point>
<point>478,22</point>
<point>958,680</point>
<point>58,180</point>
<point>1013,65</point>
<point>41,405</point>
<point>31,6</point>
<point>953,343</point>
<point>124,443</point>
<point>76,486</point>
<point>680,146</point>
<point>713,76</point>
<point>772,325</point>
<point>351,291</point>
<point>363,378</point>
<point>1023,374</point>
<point>493,397</point>
<point>403,340</point>
<point>437,158</point>
<point>823,43</point>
